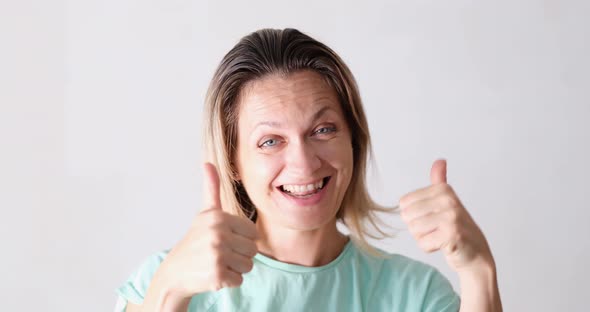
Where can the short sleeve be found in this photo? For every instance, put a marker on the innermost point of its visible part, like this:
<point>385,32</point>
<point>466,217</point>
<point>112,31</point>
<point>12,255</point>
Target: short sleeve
<point>440,296</point>
<point>135,288</point>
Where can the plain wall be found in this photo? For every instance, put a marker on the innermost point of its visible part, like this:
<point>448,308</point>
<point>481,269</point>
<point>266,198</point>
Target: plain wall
<point>100,124</point>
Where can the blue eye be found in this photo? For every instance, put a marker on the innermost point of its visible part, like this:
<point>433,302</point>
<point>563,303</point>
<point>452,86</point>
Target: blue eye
<point>269,143</point>
<point>325,130</point>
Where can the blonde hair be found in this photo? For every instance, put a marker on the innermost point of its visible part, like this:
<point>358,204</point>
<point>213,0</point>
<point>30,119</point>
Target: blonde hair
<point>282,52</point>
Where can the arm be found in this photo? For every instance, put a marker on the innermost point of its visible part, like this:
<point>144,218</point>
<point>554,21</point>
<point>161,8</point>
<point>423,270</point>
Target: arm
<point>159,297</point>
<point>438,221</point>
<point>132,307</point>
<point>479,289</point>
<point>214,254</point>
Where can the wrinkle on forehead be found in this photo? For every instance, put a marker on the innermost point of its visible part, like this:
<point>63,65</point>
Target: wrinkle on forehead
<point>305,89</point>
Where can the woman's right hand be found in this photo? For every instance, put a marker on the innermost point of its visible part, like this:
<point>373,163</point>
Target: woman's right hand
<point>215,252</point>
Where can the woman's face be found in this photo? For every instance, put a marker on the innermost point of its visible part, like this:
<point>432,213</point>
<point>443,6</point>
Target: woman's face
<point>294,151</point>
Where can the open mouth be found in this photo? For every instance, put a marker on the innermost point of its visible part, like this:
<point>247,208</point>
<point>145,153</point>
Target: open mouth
<point>304,191</point>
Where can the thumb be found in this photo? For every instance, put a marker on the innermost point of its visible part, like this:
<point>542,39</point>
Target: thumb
<point>438,173</point>
<point>211,187</point>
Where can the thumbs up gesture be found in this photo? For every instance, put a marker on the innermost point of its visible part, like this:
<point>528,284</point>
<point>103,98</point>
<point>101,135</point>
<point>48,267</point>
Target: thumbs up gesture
<point>437,220</point>
<point>215,252</point>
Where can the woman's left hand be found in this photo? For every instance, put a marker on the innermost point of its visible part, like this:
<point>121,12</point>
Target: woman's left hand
<point>437,219</point>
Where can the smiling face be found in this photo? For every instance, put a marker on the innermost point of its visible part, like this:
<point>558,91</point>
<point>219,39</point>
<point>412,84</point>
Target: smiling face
<point>294,152</point>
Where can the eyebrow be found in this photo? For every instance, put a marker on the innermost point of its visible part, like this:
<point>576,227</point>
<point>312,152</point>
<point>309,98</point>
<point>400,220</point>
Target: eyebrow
<point>276,124</point>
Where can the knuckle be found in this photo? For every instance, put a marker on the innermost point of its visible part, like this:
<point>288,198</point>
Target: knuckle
<point>217,238</point>
<point>404,215</point>
<point>451,246</point>
<point>248,253</point>
<point>253,252</point>
<point>403,200</point>
<point>445,187</point>
<point>218,275</point>
<point>218,283</point>
<point>216,217</point>
<point>240,279</point>
<point>413,226</point>
<point>217,286</point>
<point>452,216</point>
<point>450,230</point>
<point>452,201</point>
<point>237,282</point>
<point>452,237</point>
<point>449,201</point>
<point>424,245</point>
<point>449,188</point>
<point>249,265</point>
<point>219,263</point>
<point>458,236</point>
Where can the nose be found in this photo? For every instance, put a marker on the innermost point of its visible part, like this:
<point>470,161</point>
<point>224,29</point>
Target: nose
<point>302,159</point>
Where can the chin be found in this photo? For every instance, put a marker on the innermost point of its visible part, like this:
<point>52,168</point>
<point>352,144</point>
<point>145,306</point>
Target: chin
<point>303,213</point>
<point>306,220</point>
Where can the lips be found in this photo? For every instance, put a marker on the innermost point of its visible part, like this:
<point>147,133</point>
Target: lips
<point>304,190</point>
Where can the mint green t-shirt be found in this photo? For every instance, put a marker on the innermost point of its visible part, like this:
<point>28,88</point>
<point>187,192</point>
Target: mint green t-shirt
<point>354,281</point>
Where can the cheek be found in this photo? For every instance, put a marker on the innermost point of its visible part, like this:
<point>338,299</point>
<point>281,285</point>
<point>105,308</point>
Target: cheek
<point>338,154</point>
<point>258,172</point>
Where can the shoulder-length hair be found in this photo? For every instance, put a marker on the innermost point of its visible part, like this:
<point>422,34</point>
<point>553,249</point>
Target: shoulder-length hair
<point>283,52</point>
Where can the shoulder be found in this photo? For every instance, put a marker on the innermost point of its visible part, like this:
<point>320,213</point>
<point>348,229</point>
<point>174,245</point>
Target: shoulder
<point>136,285</point>
<point>422,284</point>
<point>393,263</point>
<point>147,268</point>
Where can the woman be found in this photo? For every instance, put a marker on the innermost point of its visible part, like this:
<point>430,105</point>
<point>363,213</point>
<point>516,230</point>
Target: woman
<point>287,142</point>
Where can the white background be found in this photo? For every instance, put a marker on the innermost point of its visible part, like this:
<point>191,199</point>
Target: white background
<point>100,126</point>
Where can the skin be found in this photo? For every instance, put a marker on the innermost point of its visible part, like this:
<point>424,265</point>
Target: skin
<point>296,144</point>
<point>292,131</point>
<point>437,219</point>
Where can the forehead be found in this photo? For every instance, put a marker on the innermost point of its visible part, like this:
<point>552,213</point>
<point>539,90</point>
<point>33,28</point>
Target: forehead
<point>296,95</point>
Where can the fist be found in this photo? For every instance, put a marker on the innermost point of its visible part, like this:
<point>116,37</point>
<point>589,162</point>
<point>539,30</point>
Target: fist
<point>217,249</point>
<point>437,219</point>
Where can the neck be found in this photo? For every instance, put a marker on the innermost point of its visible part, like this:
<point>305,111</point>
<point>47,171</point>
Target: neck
<point>307,248</point>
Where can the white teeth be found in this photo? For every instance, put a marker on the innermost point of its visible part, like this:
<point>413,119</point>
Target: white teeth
<point>303,188</point>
